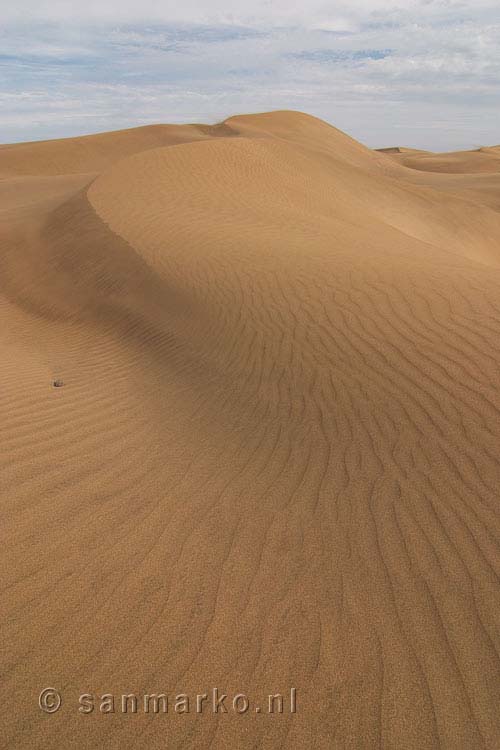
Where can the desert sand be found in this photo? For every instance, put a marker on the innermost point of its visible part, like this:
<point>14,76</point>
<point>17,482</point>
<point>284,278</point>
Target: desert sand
<point>274,459</point>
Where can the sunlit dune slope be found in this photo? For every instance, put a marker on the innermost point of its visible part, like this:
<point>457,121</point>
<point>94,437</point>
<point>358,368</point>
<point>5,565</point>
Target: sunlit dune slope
<point>273,461</point>
<point>92,153</point>
<point>458,162</point>
<point>473,175</point>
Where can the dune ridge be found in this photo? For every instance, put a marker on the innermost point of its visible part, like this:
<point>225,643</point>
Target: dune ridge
<point>273,462</point>
<point>476,161</point>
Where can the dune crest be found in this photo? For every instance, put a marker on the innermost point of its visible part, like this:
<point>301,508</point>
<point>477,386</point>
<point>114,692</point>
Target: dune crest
<point>271,460</point>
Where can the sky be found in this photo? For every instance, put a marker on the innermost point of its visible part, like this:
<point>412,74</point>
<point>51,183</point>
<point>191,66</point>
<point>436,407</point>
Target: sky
<point>420,73</point>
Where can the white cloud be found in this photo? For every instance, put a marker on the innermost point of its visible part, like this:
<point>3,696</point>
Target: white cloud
<point>309,13</point>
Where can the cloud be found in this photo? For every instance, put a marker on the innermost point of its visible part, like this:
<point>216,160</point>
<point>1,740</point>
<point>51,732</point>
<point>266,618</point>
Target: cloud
<point>343,14</point>
<point>427,68</point>
<point>338,56</point>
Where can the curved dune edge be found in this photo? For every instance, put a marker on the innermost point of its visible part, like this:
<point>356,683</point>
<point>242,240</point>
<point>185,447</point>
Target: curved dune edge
<point>273,462</point>
<point>478,161</point>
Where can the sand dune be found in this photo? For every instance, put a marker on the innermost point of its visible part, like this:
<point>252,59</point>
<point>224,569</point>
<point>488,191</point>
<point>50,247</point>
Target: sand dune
<point>273,462</point>
<point>458,162</point>
<point>474,175</point>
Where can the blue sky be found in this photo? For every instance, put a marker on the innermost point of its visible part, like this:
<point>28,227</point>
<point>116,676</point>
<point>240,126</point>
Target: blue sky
<point>423,73</point>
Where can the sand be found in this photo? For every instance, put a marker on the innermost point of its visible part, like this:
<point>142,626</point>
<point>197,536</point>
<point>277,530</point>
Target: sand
<point>273,461</point>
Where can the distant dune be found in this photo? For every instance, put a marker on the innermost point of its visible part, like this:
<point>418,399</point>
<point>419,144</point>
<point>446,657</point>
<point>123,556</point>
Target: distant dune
<point>271,460</point>
<point>401,150</point>
<point>458,162</point>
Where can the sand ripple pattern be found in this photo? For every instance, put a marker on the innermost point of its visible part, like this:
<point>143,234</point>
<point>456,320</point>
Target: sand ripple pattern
<point>274,461</point>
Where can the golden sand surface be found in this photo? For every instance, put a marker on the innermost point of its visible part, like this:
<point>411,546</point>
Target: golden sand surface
<point>272,461</point>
